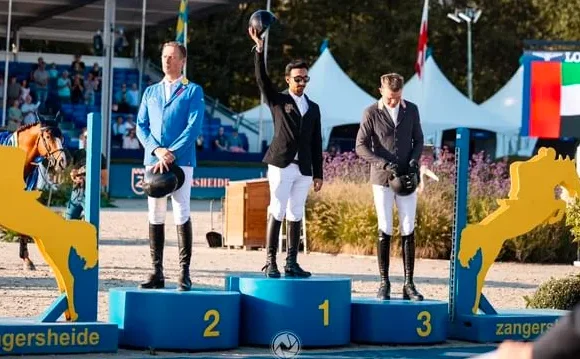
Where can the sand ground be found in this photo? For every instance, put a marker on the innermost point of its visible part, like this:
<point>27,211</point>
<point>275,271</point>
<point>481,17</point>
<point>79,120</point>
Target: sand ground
<point>125,261</point>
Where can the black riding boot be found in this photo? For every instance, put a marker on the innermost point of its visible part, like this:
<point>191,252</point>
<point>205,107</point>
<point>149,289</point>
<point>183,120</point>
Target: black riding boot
<point>24,255</point>
<point>292,269</point>
<point>156,244</point>
<point>272,235</point>
<point>184,241</point>
<point>383,258</point>
<point>409,290</point>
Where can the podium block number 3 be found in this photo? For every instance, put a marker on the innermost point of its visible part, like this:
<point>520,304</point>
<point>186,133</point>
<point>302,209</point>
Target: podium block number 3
<point>325,306</point>
<point>213,317</point>
<point>425,329</point>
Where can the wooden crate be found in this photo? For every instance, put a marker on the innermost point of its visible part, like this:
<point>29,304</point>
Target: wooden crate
<point>245,211</point>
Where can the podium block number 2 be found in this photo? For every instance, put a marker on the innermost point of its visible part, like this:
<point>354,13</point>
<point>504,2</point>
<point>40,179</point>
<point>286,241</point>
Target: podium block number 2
<point>213,317</point>
<point>325,306</point>
<point>425,329</point>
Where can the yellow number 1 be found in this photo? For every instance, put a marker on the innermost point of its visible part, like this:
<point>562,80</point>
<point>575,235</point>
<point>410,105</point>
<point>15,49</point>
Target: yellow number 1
<point>426,317</point>
<point>324,307</point>
<point>209,330</point>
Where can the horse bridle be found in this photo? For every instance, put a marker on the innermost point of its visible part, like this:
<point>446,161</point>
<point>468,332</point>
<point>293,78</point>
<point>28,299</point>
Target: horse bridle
<point>50,155</point>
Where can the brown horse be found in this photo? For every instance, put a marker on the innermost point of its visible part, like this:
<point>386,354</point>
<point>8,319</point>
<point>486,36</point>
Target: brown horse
<point>42,140</point>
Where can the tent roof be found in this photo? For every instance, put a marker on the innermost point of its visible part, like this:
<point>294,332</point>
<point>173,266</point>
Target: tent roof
<point>443,107</point>
<point>41,19</point>
<point>507,102</point>
<point>341,100</point>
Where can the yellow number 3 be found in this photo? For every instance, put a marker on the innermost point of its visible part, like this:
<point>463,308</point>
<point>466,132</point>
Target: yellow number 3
<point>209,330</point>
<point>425,316</point>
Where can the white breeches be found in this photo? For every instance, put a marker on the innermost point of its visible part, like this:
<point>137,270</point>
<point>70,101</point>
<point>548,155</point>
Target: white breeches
<point>288,192</point>
<point>384,197</point>
<point>180,202</point>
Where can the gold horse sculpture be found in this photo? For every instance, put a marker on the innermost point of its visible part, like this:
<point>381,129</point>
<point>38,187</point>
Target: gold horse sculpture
<point>532,201</point>
<point>54,236</point>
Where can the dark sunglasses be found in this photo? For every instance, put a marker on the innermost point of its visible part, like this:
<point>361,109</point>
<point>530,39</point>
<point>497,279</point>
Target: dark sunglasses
<point>299,79</point>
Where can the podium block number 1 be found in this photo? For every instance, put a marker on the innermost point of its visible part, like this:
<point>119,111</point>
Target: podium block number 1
<point>325,306</point>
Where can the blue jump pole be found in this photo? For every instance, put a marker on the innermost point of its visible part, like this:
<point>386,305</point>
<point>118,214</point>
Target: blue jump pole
<point>93,185</point>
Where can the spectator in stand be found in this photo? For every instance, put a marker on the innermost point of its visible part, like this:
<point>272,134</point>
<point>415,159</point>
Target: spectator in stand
<point>119,131</point>
<point>199,143</point>
<point>29,110</point>
<point>77,66</point>
<point>235,143</point>
<point>63,88</point>
<point>77,93</point>
<point>14,116</point>
<point>221,142</point>
<point>24,91</point>
<point>97,73</point>
<point>41,77</point>
<point>14,90</point>
<point>121,100</point>
<point>130,122</point>
<point>130,141</point>
<point>53,72</point>
<point>90,89</point>
<point>133,98</point>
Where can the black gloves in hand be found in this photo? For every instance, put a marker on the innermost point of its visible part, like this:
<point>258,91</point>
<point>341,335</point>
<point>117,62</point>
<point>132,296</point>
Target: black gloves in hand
<point>391,168</point>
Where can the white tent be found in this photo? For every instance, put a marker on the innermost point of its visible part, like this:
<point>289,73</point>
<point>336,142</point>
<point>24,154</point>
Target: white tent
<point>443,107</point>
<point>341,100</point>
<point>507,103</point>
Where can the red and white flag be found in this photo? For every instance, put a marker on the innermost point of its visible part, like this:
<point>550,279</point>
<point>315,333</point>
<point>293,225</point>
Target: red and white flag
<point>422,45</point>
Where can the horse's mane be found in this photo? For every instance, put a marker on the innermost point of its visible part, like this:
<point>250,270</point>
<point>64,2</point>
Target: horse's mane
<point>27,126</point>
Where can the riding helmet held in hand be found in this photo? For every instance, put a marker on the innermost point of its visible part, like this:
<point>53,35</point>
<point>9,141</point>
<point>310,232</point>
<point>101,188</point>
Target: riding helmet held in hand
<point>261,20</point>
<point>404,185</point>
<point>159,185</point>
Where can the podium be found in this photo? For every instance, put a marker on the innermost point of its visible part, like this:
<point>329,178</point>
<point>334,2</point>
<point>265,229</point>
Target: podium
<point>245,210</point>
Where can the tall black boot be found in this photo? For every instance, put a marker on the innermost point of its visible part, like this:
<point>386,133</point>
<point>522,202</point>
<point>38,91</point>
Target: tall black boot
<point>156,244</point>
<point>409,290</point>
<point>272,235</point>
<point>384,258</point>
<point>292,269</point>
<point>184,242</point>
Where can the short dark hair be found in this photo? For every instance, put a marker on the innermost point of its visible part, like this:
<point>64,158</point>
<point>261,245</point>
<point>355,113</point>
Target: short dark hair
<point>393,81</point>
<point>177,44</point>
<point>296,64</point>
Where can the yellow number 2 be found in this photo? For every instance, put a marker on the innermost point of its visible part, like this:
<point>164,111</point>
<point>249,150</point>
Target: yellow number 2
<point>324,307</point>
<point>209,330</point>
<point>425,316</point>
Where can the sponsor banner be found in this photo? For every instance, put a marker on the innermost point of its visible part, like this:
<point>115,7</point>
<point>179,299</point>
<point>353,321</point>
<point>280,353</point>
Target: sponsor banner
<point>207,182</point>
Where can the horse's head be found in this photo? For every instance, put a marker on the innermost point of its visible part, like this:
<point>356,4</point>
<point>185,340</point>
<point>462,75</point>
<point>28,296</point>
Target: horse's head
<point>568,177</point>
<point>46,140</point>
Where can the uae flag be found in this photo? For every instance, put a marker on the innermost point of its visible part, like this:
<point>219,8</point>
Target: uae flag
<point>554,100</point>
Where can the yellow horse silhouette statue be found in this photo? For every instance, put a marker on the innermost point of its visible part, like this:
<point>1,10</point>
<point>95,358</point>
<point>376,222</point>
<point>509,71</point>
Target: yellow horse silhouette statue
<point>57,239</point>
<point>531,202</point>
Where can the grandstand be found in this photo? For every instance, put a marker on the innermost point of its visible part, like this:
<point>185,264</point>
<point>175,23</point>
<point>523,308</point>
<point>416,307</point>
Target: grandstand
<point>78,21</point>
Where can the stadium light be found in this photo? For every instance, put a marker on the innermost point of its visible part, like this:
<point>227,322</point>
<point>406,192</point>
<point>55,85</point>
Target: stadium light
<point>470,15</point>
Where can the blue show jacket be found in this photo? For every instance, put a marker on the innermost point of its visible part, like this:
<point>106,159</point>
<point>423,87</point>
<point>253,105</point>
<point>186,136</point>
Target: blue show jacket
<point>174,124</point>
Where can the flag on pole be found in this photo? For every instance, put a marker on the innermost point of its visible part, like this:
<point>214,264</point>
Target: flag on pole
<point>182,23</point>
<point>422,44</point>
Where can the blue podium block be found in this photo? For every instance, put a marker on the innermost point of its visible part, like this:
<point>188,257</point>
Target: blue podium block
<point>315,311</point>
<point>514,324</point>
<point>166,319</point>
<point>375,321</point>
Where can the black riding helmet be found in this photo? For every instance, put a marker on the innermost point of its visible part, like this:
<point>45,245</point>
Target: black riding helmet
<point>158,185</point>
<point>404,185</point>
<point>261,20</point>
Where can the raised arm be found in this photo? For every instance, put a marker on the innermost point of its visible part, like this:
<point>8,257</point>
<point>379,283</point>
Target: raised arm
<point>264,82</point>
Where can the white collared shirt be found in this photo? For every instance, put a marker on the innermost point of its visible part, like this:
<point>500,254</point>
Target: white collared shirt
<point>169,87</point>
<point>394,112</point>
<point>301,102</point>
